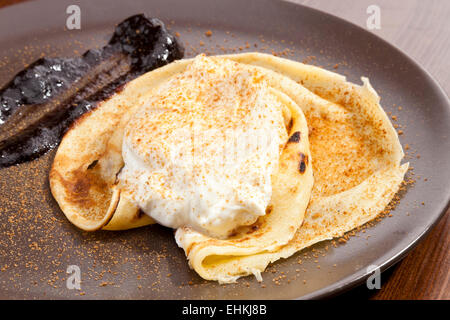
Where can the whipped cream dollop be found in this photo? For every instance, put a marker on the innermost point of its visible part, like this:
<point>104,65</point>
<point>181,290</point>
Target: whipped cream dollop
<point>201,150</point>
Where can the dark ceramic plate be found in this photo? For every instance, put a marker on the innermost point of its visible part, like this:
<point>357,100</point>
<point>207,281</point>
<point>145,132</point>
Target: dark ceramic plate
<point>37,243</point>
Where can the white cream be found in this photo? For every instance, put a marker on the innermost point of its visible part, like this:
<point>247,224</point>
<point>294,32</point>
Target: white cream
<point>201,150</point>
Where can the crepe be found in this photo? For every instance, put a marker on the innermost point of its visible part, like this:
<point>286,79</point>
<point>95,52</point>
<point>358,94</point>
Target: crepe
<point>355,157</point>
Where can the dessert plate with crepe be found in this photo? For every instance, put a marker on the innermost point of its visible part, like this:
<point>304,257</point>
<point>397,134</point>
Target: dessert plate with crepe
<point>232,173</point>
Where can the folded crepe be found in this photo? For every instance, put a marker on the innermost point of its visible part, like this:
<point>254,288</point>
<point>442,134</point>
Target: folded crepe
<point>83,177</point>
<point>355,157</point>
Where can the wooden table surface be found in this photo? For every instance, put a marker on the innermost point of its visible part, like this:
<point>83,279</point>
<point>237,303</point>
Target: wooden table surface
<point>422,30</point>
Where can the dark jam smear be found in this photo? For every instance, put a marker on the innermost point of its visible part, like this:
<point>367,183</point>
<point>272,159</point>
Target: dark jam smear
<point>40,103</point>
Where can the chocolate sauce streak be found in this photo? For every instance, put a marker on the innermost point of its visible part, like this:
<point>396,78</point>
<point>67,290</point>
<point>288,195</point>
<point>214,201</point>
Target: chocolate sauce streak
<point>41,102</point>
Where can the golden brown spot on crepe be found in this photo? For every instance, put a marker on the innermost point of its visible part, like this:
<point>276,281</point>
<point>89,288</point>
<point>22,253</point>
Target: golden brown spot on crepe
<point>316,216</point>
<point>246,230</point>
<point>86,189</point>
<point>290,124</point>
<point>253,228</point>
<point>256,230</point>
<point>92,165</point>
<point>295,137</point>
<point>303,162</point>
<point>138,214</point>
<point>254,235</point>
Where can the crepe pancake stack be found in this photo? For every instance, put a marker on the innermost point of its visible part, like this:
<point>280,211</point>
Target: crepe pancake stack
<point>338,134</point>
